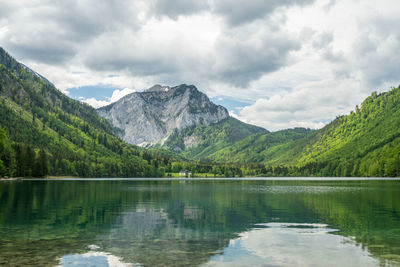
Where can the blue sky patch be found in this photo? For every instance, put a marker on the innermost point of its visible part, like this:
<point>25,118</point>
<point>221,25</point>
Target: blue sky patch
<point>99,92</point>
<point>229,102</point>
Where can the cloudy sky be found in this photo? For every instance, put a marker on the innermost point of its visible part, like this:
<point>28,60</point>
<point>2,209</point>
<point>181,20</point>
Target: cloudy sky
<point>273,63</point>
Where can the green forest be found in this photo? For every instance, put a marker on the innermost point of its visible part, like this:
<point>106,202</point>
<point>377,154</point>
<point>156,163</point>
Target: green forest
<point>45,133</point>
<point>364,143</point>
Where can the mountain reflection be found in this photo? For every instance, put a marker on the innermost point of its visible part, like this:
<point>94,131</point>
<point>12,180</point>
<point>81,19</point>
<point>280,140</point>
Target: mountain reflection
<point>210,223</point>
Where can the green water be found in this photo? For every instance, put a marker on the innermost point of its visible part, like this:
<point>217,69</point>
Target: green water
<point>199,223</point>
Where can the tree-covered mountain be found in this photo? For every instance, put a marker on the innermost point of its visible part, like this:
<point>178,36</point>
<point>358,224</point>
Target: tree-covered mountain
<point>364,143</point>
<point>46,132</point>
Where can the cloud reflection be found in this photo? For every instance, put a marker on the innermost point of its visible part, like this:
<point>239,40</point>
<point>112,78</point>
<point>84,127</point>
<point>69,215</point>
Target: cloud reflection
<point>289,244</point>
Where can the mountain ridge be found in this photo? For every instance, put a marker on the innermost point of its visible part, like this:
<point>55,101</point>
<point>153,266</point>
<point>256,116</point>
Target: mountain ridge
<point>150,117</point>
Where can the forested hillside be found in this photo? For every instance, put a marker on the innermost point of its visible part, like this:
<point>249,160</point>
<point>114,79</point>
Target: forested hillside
<point>51,134</point>
<point>201,141</point>
<point>364,143</point>
<point>273,147</point>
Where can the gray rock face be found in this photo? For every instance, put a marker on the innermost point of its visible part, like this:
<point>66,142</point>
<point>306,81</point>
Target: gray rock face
<point>149,117</point>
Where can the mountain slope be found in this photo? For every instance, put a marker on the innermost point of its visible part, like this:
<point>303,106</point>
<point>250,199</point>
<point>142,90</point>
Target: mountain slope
<point>364,143</point>
<point>201,141</point>
<point>149,117</point>
<point>271,147</point>
<point>53,134</point>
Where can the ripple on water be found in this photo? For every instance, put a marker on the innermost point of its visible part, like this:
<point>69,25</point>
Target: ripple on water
<point>277,189</point>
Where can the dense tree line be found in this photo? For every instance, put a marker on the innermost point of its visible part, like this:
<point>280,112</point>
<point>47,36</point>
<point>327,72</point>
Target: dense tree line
<point>386,167</point>
<point>43,132</point>
<point>51,134</point>
<point>364,143</point>
<point>24,160</point>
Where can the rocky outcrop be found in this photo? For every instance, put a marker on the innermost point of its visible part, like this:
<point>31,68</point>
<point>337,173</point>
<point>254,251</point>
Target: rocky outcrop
<point>149,117</point>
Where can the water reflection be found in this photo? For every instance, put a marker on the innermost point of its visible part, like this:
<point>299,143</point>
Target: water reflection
<point>93,259</point>
<point>151,237</point>
<point>288,244</point>
<point>192,223</point>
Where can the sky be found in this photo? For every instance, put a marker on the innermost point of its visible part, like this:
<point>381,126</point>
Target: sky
<point>274,63</point>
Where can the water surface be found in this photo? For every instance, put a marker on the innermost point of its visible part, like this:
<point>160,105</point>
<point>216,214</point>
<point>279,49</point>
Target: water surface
<point>174,222</point>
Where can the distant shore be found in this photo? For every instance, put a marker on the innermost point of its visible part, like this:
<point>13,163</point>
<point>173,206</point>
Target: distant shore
<point>182,178</point>
<point>11,178</point>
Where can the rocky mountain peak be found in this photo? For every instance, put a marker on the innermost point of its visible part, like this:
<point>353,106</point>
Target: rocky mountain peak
<point>151,116</point>
<point>158,88</point>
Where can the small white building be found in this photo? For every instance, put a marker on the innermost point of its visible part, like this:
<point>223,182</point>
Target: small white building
<point>185,173</point>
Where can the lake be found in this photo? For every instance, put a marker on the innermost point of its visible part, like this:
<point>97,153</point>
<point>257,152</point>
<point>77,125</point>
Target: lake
<point>203,222</point>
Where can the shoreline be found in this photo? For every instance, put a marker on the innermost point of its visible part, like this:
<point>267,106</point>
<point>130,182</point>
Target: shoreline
<point>69,178</point>
<point>12,179</point>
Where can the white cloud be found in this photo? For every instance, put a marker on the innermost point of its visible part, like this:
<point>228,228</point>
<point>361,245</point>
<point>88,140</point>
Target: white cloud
<point>310,105</point>
<point>233,114</point>
<point>96,103</point>
<point>299,62</point>
<point>116,95</point>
